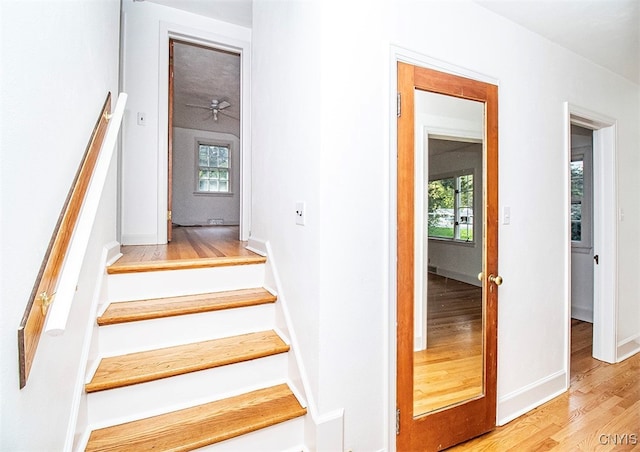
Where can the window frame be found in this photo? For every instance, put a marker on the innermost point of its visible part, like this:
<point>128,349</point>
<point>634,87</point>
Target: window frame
<point>456,223</point>
<point>585,244</point>
<point>211,142</point>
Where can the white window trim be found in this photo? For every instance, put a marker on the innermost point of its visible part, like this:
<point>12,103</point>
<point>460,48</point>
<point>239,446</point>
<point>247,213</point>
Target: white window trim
<point>449,175</point>
<point>585,245</point>
<point>196,178</point>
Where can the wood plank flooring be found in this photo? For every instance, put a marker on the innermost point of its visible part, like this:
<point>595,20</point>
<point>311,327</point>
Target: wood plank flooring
<point>450,369</point>
<point>600,412</point>
<point>191,247</point>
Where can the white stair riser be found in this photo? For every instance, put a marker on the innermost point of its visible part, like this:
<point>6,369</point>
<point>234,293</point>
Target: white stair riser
<point>158,333</point>
<point>284,436</point>
<point>128,403</point>
<point>170,283</point>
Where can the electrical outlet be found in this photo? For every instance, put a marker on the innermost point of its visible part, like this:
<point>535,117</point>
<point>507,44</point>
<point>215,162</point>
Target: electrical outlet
<point>300,213</point>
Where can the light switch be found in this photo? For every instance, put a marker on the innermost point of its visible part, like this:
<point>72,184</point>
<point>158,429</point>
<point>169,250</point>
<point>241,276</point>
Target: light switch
<point>506,215</point>
<point>142,119</point>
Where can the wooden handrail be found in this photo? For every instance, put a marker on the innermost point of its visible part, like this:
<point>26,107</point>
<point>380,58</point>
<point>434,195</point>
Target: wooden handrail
<point>44,289</point>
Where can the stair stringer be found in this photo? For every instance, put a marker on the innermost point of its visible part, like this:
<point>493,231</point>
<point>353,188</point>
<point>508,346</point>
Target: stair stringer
<point>79,419</point>
<point>323,432</point>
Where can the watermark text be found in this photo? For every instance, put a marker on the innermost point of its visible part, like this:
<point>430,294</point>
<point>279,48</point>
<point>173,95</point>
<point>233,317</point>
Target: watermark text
<point>624,439</point>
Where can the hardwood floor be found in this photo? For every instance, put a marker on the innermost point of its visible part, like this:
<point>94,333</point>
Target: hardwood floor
<point>191,247</point>
<point>450,369</point>
<point>600,412</point>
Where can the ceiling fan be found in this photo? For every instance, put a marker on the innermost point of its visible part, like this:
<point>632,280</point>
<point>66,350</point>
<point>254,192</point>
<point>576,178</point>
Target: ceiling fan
<point>216,107</point>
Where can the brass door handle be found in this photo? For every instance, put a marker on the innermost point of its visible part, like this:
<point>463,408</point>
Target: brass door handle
<point>497,280</point>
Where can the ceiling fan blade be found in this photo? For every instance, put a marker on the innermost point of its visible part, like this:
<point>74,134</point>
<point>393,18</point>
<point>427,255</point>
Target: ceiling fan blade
<point>224,104</point>
<point>228,115</point>
<point>199,106</point>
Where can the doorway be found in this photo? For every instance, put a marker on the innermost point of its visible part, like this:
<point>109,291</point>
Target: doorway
<point>583,258</point>
<point>204,136</point>
<point>584,126</point>
<point>210,40</point>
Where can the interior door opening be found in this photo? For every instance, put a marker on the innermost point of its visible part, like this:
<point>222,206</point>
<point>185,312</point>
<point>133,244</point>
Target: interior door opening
<point>204,136</point>
<point>583,257</point>
<point>592,216</point>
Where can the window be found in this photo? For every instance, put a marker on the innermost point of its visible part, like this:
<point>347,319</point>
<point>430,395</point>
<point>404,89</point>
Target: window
<point>214,168</point>
<point>450,214</point>
<point>577,197</point>
<point>581,201</point>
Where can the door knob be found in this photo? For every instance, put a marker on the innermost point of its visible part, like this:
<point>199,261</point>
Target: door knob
<point>497,280</point>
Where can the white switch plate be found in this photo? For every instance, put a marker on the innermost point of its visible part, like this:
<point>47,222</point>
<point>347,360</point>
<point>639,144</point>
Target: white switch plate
<point>300,213</point>
<point>142,119</point>
<point>506,215</point>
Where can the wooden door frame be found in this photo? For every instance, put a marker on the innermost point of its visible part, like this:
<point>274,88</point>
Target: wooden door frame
<point>170,142</point>
<point>222,42</point>
<point>483,409</point>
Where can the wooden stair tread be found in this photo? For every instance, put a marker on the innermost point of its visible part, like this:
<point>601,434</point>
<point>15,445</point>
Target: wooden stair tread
<point>130,311</point>
<point>201,425</point>
<point>183,264</point>
<point>140,367</point>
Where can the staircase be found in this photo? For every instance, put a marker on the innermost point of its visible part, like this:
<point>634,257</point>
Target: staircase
<point>191,358</point>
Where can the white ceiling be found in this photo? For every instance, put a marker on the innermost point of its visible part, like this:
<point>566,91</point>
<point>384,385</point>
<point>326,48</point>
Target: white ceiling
<point>239,12</point>
<point>606,32</point>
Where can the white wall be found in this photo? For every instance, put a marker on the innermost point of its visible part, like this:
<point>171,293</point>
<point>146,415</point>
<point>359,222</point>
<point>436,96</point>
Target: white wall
<point>197,209</point>
<point>286,137</point>
<point>63,59</point>
<point>320,129</point>
<point>144,152</point>
<point>329,145</point>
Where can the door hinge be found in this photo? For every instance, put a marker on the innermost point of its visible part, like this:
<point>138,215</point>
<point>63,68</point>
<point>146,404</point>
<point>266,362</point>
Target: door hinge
<point>399,104</point>
<point>398,421</point>
<point>168,215</point>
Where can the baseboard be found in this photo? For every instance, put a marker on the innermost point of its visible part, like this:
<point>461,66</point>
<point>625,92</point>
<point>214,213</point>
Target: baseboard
<point>330,432</point>
<point>257,245</point>
<point>531,396</point>
<point>628,347</point>
<point>325,433</point>
<point>139,239</point>
<point>113,253</point>
<point>469,279</point>
<point>580,313</point>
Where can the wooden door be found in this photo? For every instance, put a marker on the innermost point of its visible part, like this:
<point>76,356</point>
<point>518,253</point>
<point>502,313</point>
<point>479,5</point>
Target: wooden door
<point>442,428</point>
<point>170,146</point>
